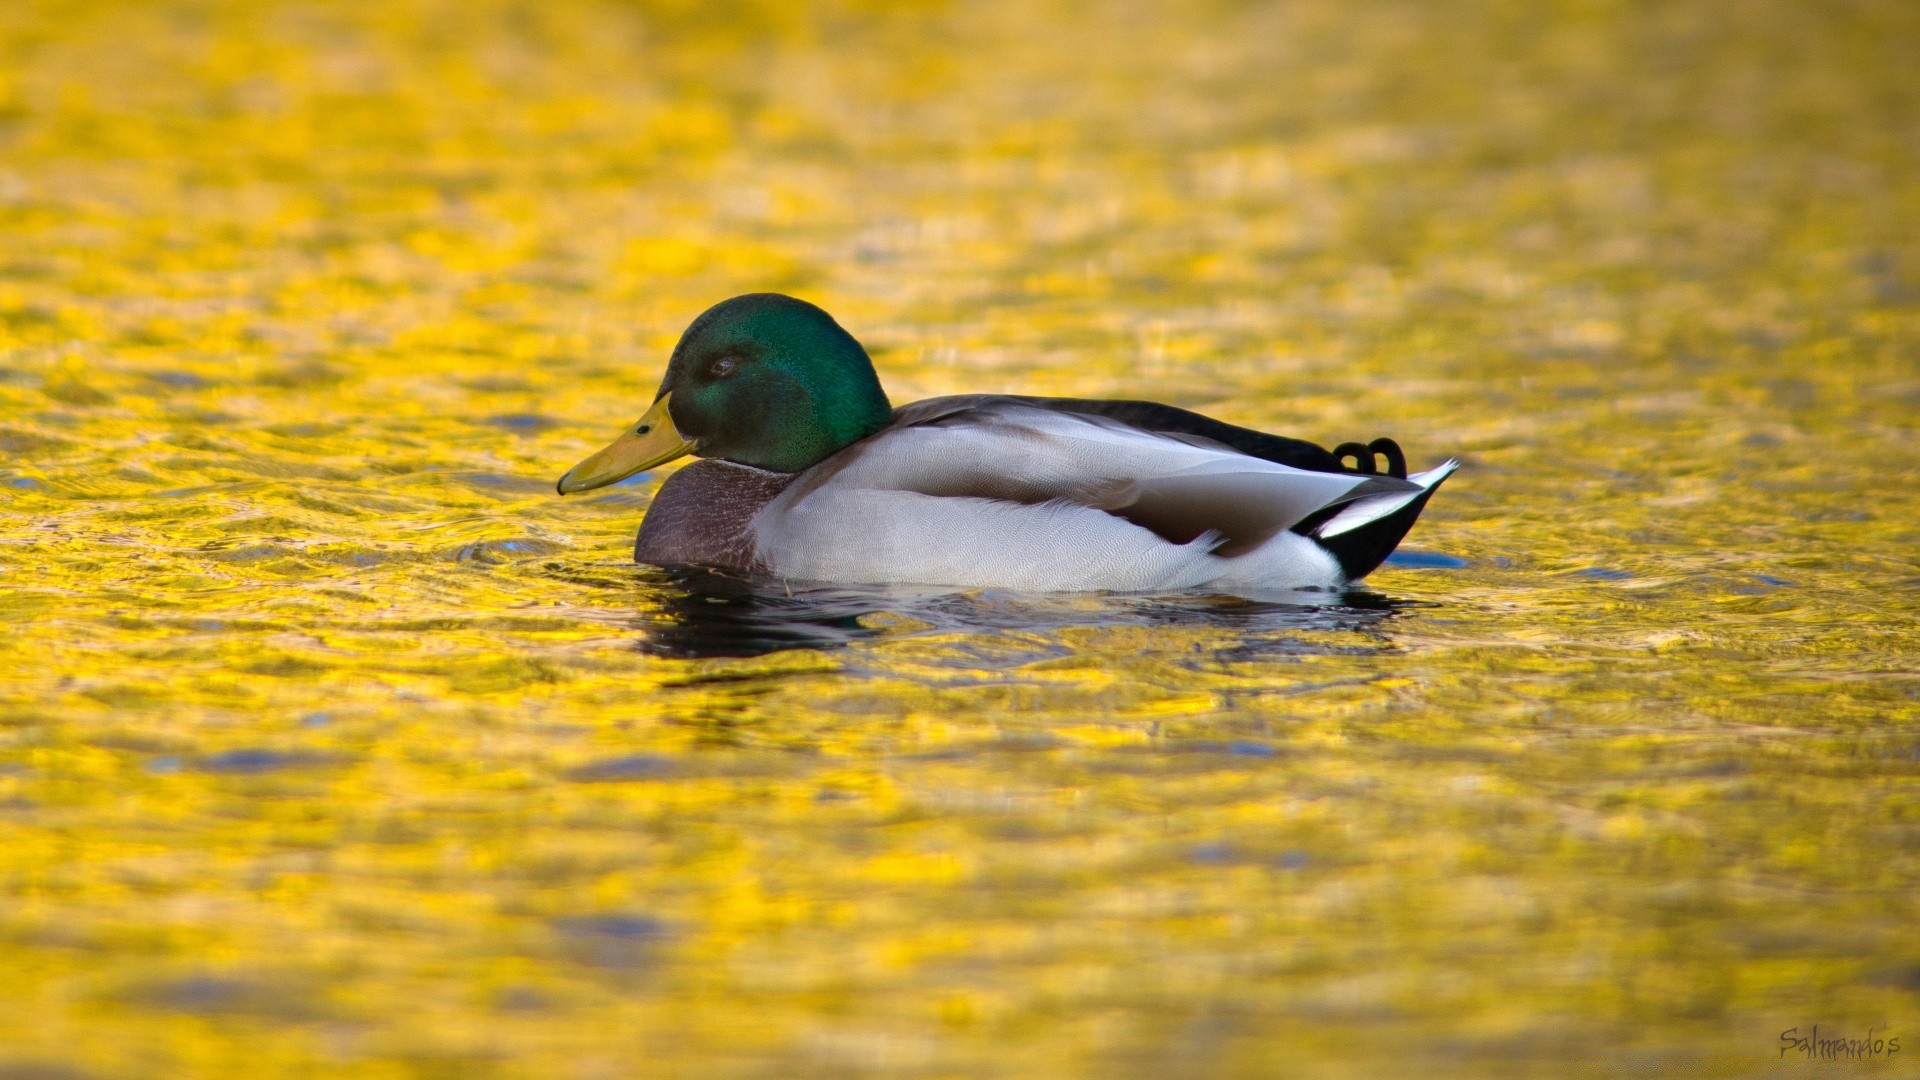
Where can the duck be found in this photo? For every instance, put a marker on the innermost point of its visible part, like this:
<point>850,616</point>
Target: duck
<point>808,473</point>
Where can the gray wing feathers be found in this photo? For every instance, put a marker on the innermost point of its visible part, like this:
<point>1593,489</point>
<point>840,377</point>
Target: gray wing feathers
<point>1178,487</point>
<point>992,491</point>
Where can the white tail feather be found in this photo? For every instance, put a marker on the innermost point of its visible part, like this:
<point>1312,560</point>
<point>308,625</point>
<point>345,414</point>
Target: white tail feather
<point>1373,508</point>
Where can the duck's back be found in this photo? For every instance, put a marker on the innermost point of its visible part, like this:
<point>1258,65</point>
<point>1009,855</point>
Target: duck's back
<point>1152,416</point>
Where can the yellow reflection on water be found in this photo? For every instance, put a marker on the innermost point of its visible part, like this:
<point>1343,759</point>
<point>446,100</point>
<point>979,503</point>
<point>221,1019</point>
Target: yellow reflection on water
<point>335,744</point>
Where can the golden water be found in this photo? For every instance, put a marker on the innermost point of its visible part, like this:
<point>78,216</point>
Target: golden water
<point>336,745</point>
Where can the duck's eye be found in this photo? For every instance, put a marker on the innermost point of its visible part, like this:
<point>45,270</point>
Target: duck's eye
<point>723,367</point>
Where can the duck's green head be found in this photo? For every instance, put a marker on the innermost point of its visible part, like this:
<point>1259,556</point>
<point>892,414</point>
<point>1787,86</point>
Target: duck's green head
<point>763,380</point>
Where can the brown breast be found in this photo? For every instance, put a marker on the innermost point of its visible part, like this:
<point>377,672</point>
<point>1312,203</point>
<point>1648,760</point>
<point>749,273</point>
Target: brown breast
<point>702,513</point>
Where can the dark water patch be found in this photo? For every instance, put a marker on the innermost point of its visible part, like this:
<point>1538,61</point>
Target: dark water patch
<point>179,380</point>
<point>1222,853</point>
<point>284,665</point>
<point>1425,560</point>
<point>258,762</point>
<point>305,429</point>
<point>229,995</point>
<point>1025,743</point>
<point>29,317</point>
<point>612,940</point>
<point>1233,748</point>
<point>497,384</point>
<point>1833,513</point>
<point>23,483</point>
<point>138,742</point>
<point>697,765</point>
<point>624,768</point>
<point>1900,977</point>
<point>76,392</point>
<point>1035,742</point>
<point>198,416</point>
<point>1756,585</point>
<point>1247,748</point>
<point>1213,854</point>
<point>1602,573</point>
<point>1176,759</point>
<point>522,423</point>
<point>522,999</point>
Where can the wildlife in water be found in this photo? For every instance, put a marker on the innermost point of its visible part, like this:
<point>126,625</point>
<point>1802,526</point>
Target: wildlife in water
<point>808,473</point>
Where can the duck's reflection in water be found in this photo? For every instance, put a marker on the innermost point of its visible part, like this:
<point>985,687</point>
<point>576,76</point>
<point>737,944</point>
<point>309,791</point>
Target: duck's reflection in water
<point>703,613</point>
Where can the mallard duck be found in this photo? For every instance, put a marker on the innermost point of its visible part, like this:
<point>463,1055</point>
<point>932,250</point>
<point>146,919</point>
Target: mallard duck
<point>810,474</point>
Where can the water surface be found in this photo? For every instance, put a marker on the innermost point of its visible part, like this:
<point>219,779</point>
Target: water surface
<point>333,743</point>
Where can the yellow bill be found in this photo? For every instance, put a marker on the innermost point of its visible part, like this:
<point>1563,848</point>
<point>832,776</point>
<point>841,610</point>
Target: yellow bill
<point>651,441</point>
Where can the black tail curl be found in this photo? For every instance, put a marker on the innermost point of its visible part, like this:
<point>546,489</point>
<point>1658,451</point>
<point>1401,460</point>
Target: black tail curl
<point>1364,457</point>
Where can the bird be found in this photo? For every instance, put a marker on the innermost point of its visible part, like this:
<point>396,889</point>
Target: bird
<point>807,473</point>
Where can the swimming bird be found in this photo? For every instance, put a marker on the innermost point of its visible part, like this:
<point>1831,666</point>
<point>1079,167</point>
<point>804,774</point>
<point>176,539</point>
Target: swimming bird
<point>808,473</point>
